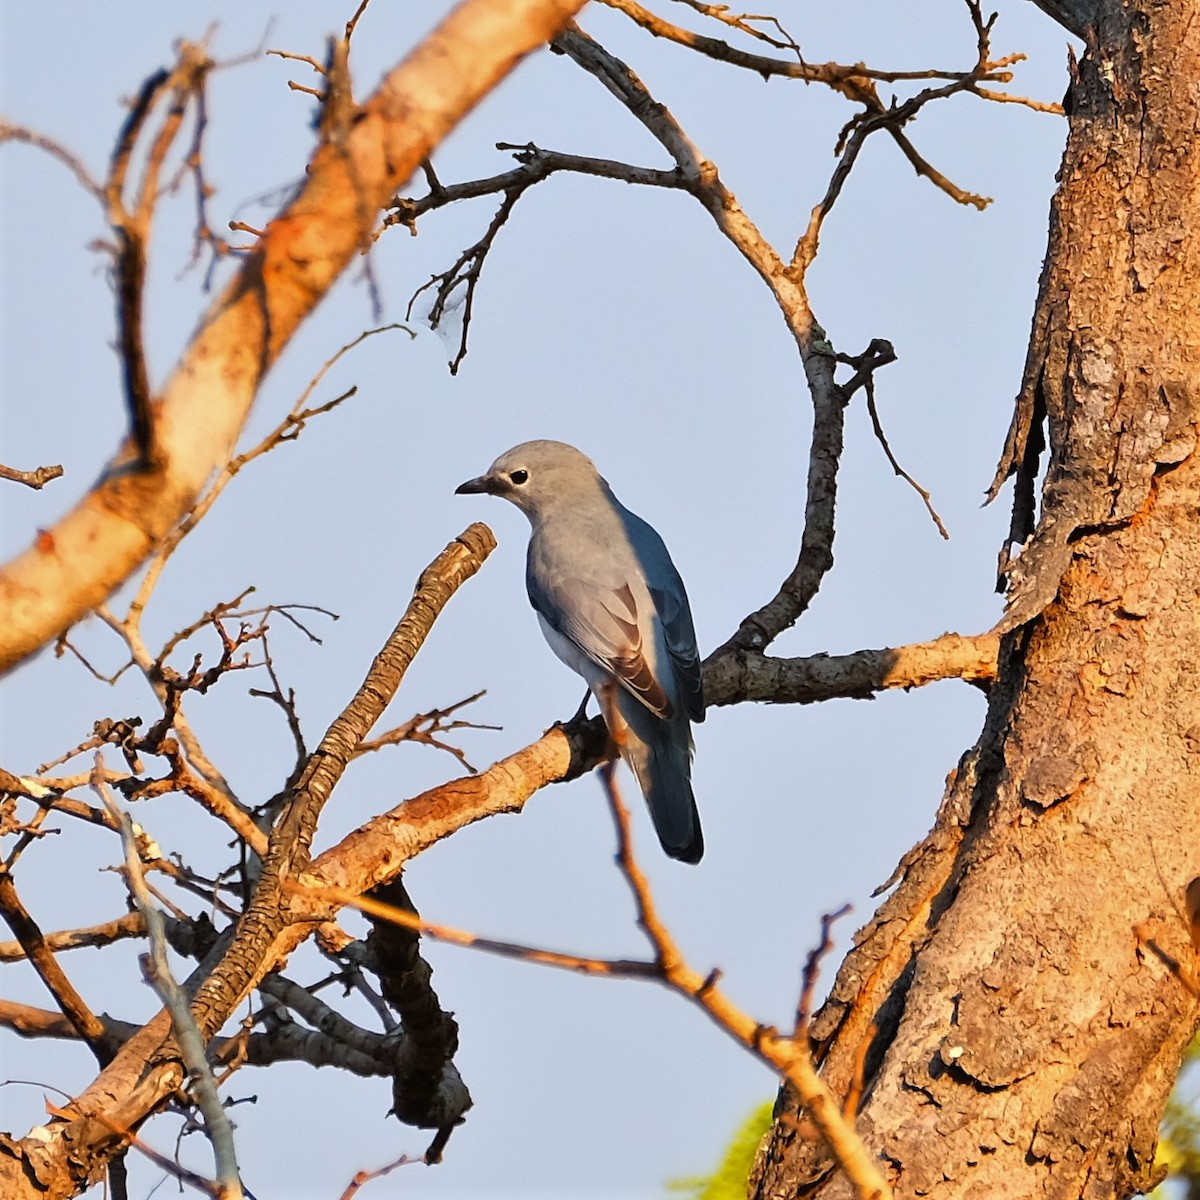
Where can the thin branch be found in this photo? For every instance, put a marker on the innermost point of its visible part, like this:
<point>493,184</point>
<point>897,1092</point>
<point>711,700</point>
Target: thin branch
<point>290,428</point>
<point>353,22</point>
<point>787,1056</point>
<point>312,901</point>
<point>131,924</point>
<point>454,289</point>
<point>304,58</point>
<point>41,958</point>
<point>129,630</point>
<point>365,1177</point>
<point>17,133</point>
<point>424,727</point>
<point>158,974</point>
<point>812,971</point>
<point>835,75</point>
<point>1042,106</point>
<point>36,479</point>
<point>878,353</point>
<point>748,24</point>
<point>537,163</point>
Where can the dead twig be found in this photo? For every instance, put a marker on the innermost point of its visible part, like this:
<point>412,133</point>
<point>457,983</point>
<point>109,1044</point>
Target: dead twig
<point>812,970</point>
<point>362,1178</point>
<point>878,354</point>
<point>30,137</point>
<point>36,479</point>
<point>157,969</point>
<point>424,727</point>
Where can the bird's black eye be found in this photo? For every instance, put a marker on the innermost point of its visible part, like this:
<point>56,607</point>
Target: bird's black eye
<point>519,476</point>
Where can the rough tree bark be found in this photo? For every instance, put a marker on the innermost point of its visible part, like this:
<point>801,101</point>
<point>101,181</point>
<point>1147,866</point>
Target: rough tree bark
<point>1018,1006</point>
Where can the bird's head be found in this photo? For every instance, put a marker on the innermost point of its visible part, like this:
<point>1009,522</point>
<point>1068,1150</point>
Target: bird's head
<point>534,473</point>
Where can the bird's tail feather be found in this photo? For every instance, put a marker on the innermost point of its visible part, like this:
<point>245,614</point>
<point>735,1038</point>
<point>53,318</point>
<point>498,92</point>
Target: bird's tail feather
<point>660,755</point>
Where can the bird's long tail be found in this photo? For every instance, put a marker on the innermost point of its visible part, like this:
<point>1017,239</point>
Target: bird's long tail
<point>659,752</point>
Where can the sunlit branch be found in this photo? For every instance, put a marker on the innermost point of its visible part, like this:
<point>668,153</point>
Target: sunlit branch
<point>36,479</point>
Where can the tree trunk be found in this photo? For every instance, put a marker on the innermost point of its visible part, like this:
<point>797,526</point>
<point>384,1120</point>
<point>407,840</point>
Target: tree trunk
<point>1016,1011</point>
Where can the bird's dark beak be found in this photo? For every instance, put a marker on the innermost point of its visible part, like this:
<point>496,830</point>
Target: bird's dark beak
<point>473,486</point>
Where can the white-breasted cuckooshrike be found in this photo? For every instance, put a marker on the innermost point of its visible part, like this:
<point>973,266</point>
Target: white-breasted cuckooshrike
<point>613,608</point>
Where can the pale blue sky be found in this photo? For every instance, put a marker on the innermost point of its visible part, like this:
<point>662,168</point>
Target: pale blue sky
<point>618,320</point>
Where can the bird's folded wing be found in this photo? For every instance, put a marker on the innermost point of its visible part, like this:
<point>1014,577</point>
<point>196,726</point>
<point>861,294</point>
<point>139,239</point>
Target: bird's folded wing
<point>604,622</point>
<point>680,634</point>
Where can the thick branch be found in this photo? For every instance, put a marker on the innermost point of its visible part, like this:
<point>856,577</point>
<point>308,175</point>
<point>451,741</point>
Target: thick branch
<point>731,678</point>
<point>428,1091</point>
<point>290,841</point>
<point>288,1043</point>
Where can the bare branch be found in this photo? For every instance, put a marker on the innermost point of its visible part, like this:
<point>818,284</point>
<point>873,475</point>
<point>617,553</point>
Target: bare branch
<point>16,133</point>
<point>789,1057</point>
<point>878,353</point>
<point>29,1022</point>
<point>378,850</point>
<point>131,222</point>
<point>787,285</point>
<point>835,75</point>
<point>364,1177</point>
<point>131,924</point>
<point>158,975</point>
<point>36,479</point>
<point>287,430</point>
<point>812,971</point>
<point>42,959</point>
<point>734,678</point>
<point>748,24</point>
<point>313,900</point>
<point>424,727</point>
<point>429,1092</point>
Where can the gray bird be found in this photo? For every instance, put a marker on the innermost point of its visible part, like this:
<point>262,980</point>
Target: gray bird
<point>613,608</point>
